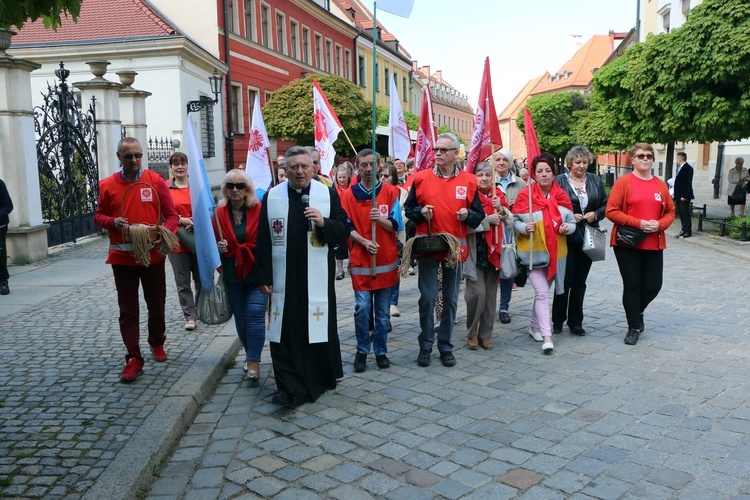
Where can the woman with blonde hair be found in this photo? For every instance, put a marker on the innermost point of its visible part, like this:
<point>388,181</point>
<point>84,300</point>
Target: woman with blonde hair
<point>237,216</point>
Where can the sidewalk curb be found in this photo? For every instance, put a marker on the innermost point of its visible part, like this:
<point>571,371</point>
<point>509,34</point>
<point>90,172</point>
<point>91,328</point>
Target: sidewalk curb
<point>132,469</point>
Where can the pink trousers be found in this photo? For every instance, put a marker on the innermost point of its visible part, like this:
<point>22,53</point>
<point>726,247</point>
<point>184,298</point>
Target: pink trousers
<point>540,311</point>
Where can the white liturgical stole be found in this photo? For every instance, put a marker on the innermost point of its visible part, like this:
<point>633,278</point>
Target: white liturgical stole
<point>317,263</point>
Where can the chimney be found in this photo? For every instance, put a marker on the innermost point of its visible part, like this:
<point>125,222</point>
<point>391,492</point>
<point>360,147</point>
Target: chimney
<point>439,75</point>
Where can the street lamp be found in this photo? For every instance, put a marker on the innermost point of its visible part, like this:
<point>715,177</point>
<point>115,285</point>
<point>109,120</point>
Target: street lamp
<point>215,82</point>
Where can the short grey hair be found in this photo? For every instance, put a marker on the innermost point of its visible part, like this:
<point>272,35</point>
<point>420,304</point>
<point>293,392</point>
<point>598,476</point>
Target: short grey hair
<point>483,166</point>
<point>452,137</point>
<point>578,152</point>
<point>296,151</point>
<point>127,140</point>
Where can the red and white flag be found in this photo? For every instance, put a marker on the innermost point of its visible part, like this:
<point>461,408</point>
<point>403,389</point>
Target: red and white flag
<point>426,134</point>
<point>327,128</point>
<point>486,126</point>
<point>399,139</point>
<point>257,165</point>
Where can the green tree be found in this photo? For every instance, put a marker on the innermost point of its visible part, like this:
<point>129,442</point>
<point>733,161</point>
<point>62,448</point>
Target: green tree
<point>15,13</point>
<point>289,113</point>
<point>444,129</point>
<point>411,119</point>
<point>609,126</point>
<point>556,118</point>
<point>692,84</point>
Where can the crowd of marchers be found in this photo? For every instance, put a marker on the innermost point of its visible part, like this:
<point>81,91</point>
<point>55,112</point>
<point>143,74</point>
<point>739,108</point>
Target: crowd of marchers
<point>282,253</point>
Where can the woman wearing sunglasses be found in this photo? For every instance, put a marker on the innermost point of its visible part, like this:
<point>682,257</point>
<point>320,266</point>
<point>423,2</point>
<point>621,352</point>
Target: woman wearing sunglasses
<point>641,209</point>
<point>238,215</point>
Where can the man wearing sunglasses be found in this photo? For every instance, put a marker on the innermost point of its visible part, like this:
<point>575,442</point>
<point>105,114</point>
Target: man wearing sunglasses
<point>131,196</point>
<point>301,221</point>
<point>448,198</point>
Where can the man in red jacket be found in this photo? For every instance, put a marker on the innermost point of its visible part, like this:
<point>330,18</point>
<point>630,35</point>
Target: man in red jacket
<point>131,196</point>
<point>447,197</point>
<point>386,216</point>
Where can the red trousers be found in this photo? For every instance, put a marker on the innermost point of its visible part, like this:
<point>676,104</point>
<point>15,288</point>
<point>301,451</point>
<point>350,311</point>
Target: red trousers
<point>127,279</point>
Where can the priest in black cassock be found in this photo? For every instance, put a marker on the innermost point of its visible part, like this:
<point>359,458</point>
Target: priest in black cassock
<point>301,222</point>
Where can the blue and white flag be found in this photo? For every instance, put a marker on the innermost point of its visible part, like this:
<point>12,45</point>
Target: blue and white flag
<point>202,201</point>
<point>398,7</point>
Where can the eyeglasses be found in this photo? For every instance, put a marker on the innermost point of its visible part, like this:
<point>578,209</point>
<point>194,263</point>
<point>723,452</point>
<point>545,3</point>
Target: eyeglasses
<point>384,175</point>
<point>645,156</point>
<point>444,150</point>
<point>239,185</point>
<point>130,156</point>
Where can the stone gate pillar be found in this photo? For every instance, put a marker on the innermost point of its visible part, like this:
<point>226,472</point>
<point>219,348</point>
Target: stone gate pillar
<point>108,124</point>
<point>133,110</point>
<point>27,234</point>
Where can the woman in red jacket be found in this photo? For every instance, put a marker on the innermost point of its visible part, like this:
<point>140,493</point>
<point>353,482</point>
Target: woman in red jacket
<point>639,204</point>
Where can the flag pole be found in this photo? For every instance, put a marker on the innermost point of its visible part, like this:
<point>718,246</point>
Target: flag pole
<point>531,236</point>
<point>374,124</point>
<point>496,235</point>
<point>349,140</point>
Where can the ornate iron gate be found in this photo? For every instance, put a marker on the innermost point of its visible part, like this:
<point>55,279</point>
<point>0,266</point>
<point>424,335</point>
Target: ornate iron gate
<point>67,161</point>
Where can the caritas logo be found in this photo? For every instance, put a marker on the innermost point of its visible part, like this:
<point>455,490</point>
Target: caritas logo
<point>460,192</point>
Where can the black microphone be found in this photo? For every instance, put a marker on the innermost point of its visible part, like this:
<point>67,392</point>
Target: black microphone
<point>306,201</point>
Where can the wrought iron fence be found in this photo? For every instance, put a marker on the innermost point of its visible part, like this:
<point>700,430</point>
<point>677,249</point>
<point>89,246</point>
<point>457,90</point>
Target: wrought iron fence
<point>159,151</point>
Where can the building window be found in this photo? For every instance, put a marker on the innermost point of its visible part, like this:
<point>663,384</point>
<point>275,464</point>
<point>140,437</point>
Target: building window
<point>294,35</point>
<point>404,90</point>
<point>207,128</point>
<point>251,94</point>
<point>329,56</point>
<point>337,67</point>
<point>250,20</point>
<point>362,72</point>
<point>685,8</point>
<point>269,94</point>
<point>233,18</point>
<point>386,82</point>
<point>306,45</point>
<point>265,14</point>
<point>376,77</point>
<point>347,65</point>
<point>238,122</point>
<point>281,33</point>
<point>318,51</point>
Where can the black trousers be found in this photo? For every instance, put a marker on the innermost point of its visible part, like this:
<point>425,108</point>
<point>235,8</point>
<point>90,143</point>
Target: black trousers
<point>569,305</point>
<point>641,272</point>
<point>683,211</point>
<point>3,255</point>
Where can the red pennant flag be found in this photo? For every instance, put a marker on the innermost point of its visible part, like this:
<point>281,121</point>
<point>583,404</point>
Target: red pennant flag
<point>426,134</point>
<point>486,127</point>
<point>532,143</point>
<point>327,128</point>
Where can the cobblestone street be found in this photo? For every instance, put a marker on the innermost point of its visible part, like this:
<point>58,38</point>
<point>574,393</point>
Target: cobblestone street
<point>667,418</point>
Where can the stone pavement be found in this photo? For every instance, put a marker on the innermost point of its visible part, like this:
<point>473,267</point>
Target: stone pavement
<point>668,418</point>
<point>67,426</point>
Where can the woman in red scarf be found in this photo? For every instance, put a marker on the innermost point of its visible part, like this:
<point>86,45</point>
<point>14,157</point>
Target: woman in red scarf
<point>343,181</point>
<point>237,216</point>
<point>482,266</point>
<point>552,206</point>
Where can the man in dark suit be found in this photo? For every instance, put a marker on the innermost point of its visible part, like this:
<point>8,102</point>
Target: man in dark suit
<point>683,193</point>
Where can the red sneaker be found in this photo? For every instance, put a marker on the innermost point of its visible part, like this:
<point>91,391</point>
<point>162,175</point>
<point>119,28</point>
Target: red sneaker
<point>159,354</point>
<point>131,371</point>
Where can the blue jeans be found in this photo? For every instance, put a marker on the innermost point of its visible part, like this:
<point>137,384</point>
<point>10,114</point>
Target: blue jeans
<point>382,301</point>
<point>428,292</point>
<point>249,308</point>
<point>394,292</point>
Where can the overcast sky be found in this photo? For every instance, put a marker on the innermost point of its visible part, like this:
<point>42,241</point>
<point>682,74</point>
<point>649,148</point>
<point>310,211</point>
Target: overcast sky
<point>523,39</point>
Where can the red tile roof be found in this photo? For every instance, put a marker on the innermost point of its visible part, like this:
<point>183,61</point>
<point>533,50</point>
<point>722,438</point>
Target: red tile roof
<point>100,20</point>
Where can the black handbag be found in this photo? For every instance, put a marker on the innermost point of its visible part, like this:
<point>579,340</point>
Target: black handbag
<point>629,236</point>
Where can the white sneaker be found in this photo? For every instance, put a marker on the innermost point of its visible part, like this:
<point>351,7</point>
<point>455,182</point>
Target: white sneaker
<point>395,311</point>
<point>547,347</point>
<point>536,335</point>
<point>411,271</point>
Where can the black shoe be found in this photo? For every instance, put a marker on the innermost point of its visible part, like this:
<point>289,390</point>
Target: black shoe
<point>577,330</point>
<point>382,361</point>
<point>447,358</point>
<point>360,362</point>
<point>504,317</point>
<point>681,233</point>
<point>282,398</point>
<point>632,337</point>
<point>340,276</point>
<point>424,358</point>
<point>687,235</point>
<point>4,290</point>
<point>556,328</point>
<point>641,326</point>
